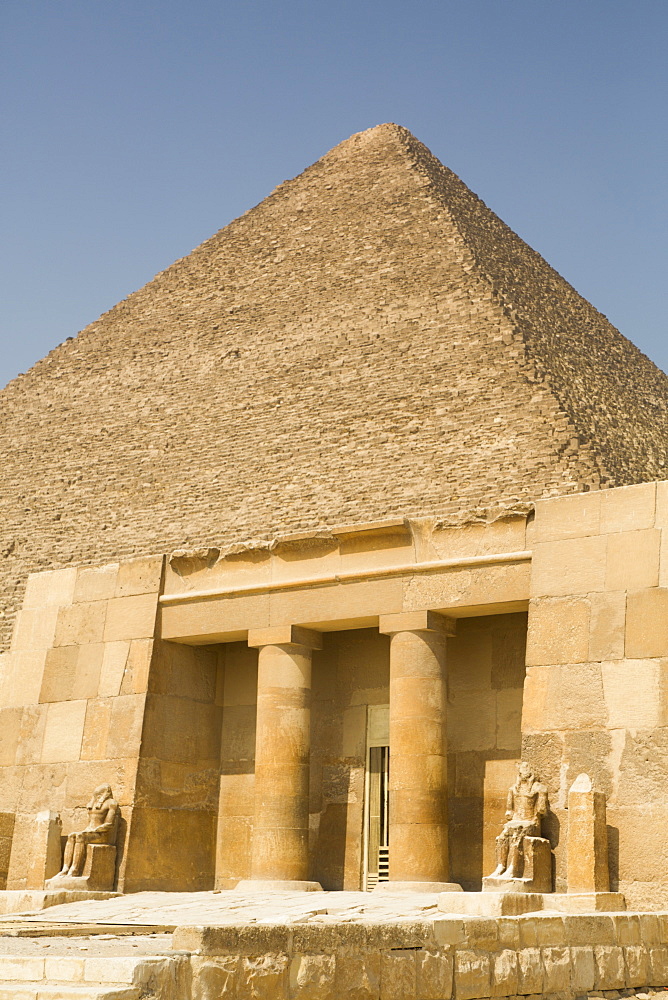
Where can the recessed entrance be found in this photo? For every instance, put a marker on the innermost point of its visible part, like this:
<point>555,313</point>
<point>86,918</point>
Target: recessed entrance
<point>376,805</point>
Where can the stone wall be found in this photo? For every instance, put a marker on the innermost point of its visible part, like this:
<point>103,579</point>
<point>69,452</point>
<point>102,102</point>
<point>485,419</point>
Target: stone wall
<point>6,835</point>
<point>464,959</point>
<point>342,353</point>
<point>596,695</point>
<point>73,696</point>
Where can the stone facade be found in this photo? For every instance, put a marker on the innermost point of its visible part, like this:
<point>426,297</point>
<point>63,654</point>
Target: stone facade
<point>369,342</point>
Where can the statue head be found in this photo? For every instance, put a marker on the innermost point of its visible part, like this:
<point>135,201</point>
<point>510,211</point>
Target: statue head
<point>525,771</point>
<point>101,794</point>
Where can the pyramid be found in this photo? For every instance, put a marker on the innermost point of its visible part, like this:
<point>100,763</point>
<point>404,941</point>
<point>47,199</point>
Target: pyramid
<point>370,341</point>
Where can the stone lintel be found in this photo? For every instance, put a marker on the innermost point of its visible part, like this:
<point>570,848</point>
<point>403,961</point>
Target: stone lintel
<point>285,635</point>
<point>417,621</point>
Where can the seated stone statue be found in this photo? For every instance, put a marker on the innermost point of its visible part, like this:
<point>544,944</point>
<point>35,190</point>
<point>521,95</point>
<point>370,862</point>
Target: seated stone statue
<point>523,857</point>
<point>80,849</point>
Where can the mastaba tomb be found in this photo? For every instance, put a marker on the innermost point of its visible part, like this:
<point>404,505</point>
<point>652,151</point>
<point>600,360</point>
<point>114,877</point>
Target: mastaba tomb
<point>304,548</point>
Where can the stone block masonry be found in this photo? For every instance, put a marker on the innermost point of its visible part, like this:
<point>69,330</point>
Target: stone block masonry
<point>444,959</point>
<point>369,342</point>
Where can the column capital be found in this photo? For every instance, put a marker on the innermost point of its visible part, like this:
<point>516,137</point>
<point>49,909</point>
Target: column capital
<point>285,635</point>
<point>417,621</point>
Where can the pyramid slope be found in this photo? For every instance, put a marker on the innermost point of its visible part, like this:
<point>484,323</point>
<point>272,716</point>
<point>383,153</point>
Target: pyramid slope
<point>343,352</point>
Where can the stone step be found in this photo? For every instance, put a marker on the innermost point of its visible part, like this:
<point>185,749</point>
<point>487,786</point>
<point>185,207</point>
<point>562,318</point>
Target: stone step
<point>129,970</point>
<point>21,990</point>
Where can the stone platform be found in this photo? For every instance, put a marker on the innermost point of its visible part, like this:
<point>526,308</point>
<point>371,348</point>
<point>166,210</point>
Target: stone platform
<point>322,946</point>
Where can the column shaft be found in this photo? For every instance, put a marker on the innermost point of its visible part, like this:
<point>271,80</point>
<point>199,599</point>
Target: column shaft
<point>282,755</point>
<point>418,807</point>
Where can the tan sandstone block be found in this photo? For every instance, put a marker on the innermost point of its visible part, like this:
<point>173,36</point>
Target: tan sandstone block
<point>96,729</point>
<point>610,971</point>
<point>34,629</point>
<point>504,973</point>
<point>529,971</point>
<point>64,969</point>
<point>79,623</point>
<point>636,693</point>
<point>647,623</point>
<point>570,567</point>
<point>576,516</point>
<point>633,560</point>
<point>312,977</point>
<point>95,583</point>
<point>556,969</point>
<point>52,588</point>
<point>558,631</point>
<point>563,697</point>
<point>628,508</point>
<point>140,576</point>
<point>112,671</point>
<point>131,618</point>
<point>472,975</point>
<point>23,681</point>
<point>636,960</point>
<point>31,736</point>
<point>663,559</point>
<point>127,716</point>
<point>264,977</point>
<point>87,675</point>
<point>398,975</point>
<point>59,672</point>
<point>607,626</point>
<point>137,667</point>
<point>583,969</point>
<point>661,513</point>
<point>10,729</point>
<point>434,974</point>
<point>63,732</point>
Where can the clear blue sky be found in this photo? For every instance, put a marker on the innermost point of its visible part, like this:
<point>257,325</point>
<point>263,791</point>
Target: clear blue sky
<point>134,130</point>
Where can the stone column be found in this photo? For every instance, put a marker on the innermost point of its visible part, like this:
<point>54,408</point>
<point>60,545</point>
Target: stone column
<point>587,838</point>
<point>279,845</point>
<point>418,805</point>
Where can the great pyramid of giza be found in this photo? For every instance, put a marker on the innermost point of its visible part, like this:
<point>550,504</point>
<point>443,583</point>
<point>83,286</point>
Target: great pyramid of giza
<point>370,341</point>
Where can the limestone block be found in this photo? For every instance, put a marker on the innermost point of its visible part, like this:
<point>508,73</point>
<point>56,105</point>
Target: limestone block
<point>575,516</point>
<point>587,838</point>
<point>64,969</point>
<point>569,567</point>
<point>627,929</point>
<point>471,720</point>
<point>661,513</point>
<point>636,693</point>
<point>35,628</point>
<point>79,623</point>
<point>583,969</point>
<point>263,978</point>
<point>663,559</point>
<point>501,585</point>
<point>647,623</point>
<point>434,972</point>
<point>546,930</point>
<point>24,680</point>
<point>63,732</point>
<point>628,508</point>
<point>529,971</point>
<point>21,968</point>
<point>607,628</point>
<point>45,849</point>
<point>137,667</point>
<point>398,975</point>
<point>610,970</point>
<point>556,969</point>
<point>312,977</point>
<point>636,961</point>
<point>31,735</point>
<point>509,719</point>
<point>59,673</point>
<point>472,974</point>
<point>51,588</point>
<point>127,716</point>
<point>449,931</point>
<point>224,619</point>
<point>558,631</point>
<point>130,617</point>
<point>6,836</point>
<point>215,978</point>
<point>633,560</point>
<point>95,583</point>
<point>140,576</point>
<point>504,973</point>
<point>568,697</point>
<point>658,964</point>
<point>357,976</point>
<point>351,600</point>
<point>96,729</point>
<point>112,671</point>
<point>10,729</point>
